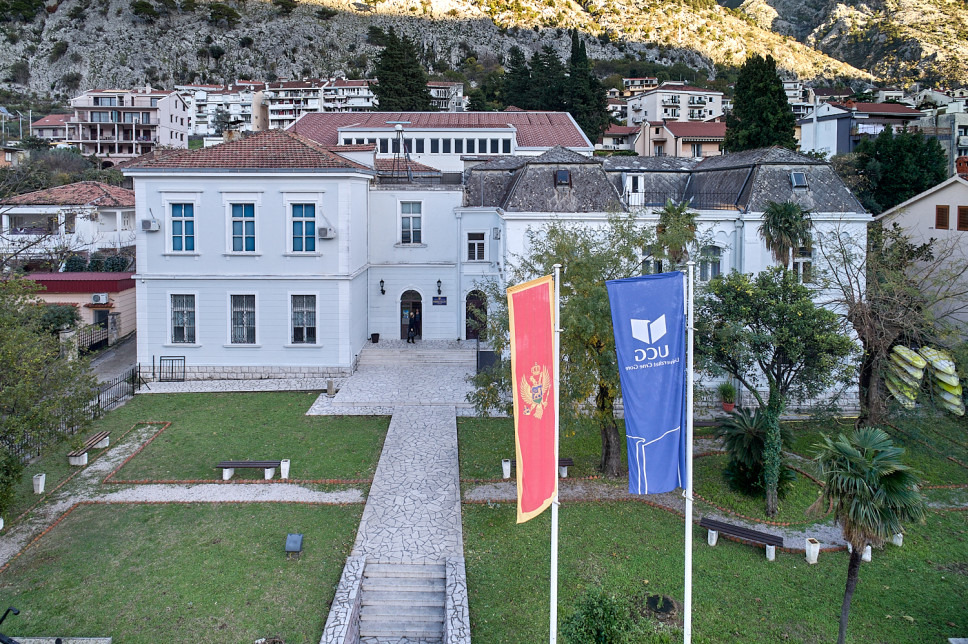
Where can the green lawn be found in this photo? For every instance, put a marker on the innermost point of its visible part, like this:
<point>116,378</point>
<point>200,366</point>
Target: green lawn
<point>630,549</point>
<point>207,428</point>
<point>485,441</point>
<point>708,482</point>
<point>181,573</point>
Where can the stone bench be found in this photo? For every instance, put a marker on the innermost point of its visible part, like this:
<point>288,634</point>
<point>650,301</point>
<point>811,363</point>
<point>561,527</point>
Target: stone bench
<point>746,534</point>
<point>229,467</point>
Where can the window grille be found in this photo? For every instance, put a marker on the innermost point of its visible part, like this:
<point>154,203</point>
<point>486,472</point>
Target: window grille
<point>183,319</point>
<point>243,319</point>
<point>304,319</point>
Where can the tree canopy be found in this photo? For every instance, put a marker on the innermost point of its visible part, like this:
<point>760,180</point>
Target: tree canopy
<point>892,167</point>
<point>401,81</point>
<point>589,369</point>
<point>761,116</point>
<point>585,98</point>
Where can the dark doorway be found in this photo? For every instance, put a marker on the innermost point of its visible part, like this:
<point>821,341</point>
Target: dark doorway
<point>475,315</point>
<point>410,301</point>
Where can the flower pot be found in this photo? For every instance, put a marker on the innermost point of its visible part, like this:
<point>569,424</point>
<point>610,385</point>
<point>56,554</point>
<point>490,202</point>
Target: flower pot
<point>284,468</point>
<point>374,337</point>
<point>39,480</point>
<point>728,407</point>
<point>812,550</point>
<point>506,467</point>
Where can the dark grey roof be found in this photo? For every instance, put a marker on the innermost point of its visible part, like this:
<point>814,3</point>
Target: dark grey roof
<point>500,163</point>
<point>755,157</point>
<point>648,164</point>
<point>559,154</point>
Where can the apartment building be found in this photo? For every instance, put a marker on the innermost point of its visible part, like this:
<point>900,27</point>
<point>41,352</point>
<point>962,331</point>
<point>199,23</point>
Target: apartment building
<point>678,139</point>
<point>120,124</point>
<point>52,127</point>
<point>243,101</point>
<point>675,101</point>
<point>633,86</point>
<point>447,96</point>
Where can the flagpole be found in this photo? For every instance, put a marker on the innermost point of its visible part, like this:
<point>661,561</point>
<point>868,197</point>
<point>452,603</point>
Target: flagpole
<point>687,599</point>
<point>553,630</point>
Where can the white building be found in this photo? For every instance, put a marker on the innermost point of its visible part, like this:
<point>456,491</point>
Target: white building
<point>121,124</point>
<point>276,255</point>
<point>675,101</point>
<point>242,102</point>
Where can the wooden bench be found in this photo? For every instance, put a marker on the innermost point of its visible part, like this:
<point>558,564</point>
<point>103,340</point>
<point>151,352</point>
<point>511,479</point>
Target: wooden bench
<point>228,467</point>
<point>98,441</point>
<point>563,465</point>
<point>746,534</point>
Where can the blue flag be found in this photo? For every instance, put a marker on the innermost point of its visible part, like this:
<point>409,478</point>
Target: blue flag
<point>648,319</point>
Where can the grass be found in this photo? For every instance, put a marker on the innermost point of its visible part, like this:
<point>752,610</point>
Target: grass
<point>630,548</point>
<point>182,573</point>
<point>208,428</point>
<point>485,441</point>
<point>708,482</point>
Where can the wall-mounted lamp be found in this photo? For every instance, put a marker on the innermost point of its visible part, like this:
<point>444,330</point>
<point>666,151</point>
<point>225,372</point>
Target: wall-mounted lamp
<point>382,290</point>
<point>438,287</point>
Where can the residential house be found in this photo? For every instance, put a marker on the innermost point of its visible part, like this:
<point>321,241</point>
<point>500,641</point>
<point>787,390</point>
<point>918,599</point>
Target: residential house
<point>885,94</point>
<point>52,127</point>
<point>103,299</point>
<point>342,95</point>
<point>678,139</point>
<point>675,101</point>
<point>950,128</point>
<point>287,100</point>
<point>447,140</point>
<point>13,156</point>
<point>121,124</point>
<point>446,96</point>
<point>243,102</point>
<point>278,255</point>
<point>940,214</point>
<point>618,109</point>
<point>797,96</point>
<point>633,86</point>
<point>828,94</point>
<point>619,137</point>
<point>77,218</point>
<point>837,128</point>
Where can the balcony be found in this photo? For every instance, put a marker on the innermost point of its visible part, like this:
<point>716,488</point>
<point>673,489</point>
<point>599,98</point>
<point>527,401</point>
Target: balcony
<point>697,100</point>
<point>670,100</point>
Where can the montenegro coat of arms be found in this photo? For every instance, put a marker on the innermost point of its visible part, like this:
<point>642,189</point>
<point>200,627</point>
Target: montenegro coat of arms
<point>535,391</point>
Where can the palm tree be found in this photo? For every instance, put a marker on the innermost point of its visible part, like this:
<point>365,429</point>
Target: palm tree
<point>676,229</point>
<point>870,493</point>
<point>785,228</point>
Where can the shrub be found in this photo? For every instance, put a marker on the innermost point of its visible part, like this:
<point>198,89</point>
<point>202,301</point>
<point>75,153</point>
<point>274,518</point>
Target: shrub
<point>144,10</point>
<point>744,435</point>
<point>58,50</point>
<point>71,81</point>
<point>285,6</point>
<point>75,264</point>
<point>96,265</point>
<point>222,15</point>
<point>215,52</point>
<point>599,618</point>
<point>245,42</point>
<point>10,471</point>
<point>326,13</point>
<point>20,72</point>
<point>59,316</point>
<point>116,263</point>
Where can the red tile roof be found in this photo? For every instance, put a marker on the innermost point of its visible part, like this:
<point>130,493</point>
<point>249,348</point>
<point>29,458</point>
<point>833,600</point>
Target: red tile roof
<point>386,165</point>
<point>676,87</point>
<point>881,108</point>
<point>534,129</point>
<point>687,130</point>
<point>271,149</point>
<point>84,282</point>
<point>621,130</point>
<point>83,193</point>
<point>52,120</point>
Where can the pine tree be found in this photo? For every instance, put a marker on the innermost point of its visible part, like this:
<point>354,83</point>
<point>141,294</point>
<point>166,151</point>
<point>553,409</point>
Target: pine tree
<point>401,81</point>
<point>761,115</point>
<point>585,97</point>
<point>518,83</point>
<point>548,80</point>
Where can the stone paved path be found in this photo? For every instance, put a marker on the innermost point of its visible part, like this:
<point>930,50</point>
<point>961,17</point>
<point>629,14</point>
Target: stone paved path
<point>413,511</point>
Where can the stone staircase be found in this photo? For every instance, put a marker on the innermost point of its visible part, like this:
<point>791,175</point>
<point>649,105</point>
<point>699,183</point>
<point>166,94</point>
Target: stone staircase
<point>399,353</point>
<point>402,603</point>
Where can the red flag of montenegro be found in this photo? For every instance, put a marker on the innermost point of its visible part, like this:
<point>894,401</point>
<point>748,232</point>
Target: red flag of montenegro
<point>531,307</point>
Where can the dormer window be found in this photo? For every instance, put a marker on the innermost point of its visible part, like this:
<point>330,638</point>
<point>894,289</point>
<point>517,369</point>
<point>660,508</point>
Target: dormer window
<point>798,180</point>
<point>562,177</point>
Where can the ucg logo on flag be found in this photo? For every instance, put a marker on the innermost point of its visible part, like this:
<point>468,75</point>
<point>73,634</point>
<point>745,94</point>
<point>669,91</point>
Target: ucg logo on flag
<point>648,319</point>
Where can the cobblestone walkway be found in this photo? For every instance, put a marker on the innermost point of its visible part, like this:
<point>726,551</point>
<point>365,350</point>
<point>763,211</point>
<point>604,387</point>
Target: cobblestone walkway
<point>413,511</point>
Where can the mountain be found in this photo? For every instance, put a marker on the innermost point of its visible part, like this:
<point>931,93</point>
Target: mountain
<point>903,40</point>
<point>63,46</point>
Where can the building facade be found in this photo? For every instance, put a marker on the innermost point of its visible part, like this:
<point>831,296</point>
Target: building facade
<point>675,101</point>
<point>118,125</point>
<point>678,139</point>
<point>243,104</point>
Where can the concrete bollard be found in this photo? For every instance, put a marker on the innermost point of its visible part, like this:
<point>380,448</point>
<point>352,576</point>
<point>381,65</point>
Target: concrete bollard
<point>506,467</point>
<point>712,537</point>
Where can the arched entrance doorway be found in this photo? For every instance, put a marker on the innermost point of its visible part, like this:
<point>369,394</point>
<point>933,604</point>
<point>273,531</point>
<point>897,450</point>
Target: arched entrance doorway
<point>475,318</point>
<point>410,301</point>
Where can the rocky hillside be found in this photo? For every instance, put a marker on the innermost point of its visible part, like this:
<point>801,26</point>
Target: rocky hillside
<point>903,40</point>
<point>77,44</point>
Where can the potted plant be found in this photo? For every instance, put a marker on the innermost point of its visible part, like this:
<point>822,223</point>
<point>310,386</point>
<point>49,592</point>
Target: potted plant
<point>727,394</point>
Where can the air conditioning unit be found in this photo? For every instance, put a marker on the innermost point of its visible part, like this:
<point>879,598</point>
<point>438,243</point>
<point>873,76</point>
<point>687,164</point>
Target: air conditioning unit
<point>150,225</point>
<point>99,298</point>
<point>325,232</point>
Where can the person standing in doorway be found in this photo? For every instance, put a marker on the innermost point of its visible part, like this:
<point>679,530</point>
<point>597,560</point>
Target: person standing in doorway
<point>412,328</point>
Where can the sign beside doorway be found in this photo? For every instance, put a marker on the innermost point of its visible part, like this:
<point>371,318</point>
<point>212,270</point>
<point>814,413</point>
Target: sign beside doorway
<point>440,300</point>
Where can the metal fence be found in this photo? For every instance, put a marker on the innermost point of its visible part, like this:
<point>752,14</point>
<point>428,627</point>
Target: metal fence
<point>92,338</point>
<point>109,396</point>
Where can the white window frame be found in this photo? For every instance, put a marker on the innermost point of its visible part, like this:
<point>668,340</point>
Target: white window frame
<point>400,216</point>
<point>803,257</point>
<point>228,320</point>
<point>169,198</point>
<point>293,198</point>
<point>482,245</point>
<point>254,198</point>
<point>706,263</point>
<point>289,327</point>
<point>169,335</point>
<point>696,149</point>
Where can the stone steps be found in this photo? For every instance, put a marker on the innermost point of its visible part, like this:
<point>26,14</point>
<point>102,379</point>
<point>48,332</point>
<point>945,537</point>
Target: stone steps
<point>380,356</point>
<point>402,603</point>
